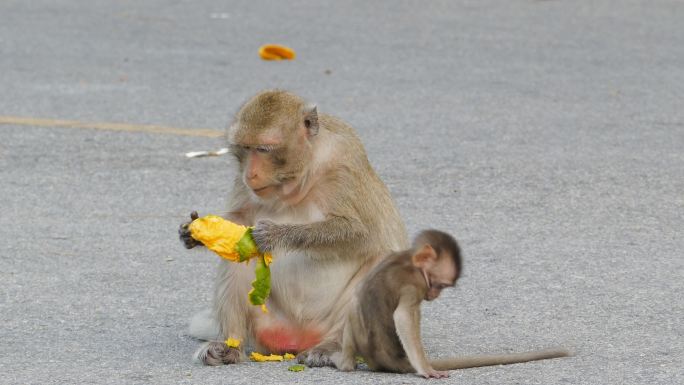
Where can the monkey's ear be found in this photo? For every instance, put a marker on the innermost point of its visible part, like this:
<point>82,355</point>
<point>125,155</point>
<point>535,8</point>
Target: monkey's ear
<point>311,119</point>
<point>424,255</point>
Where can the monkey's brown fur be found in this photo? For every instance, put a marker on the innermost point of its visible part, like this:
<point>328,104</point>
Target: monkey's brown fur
<point>305,183</point>
<point>372,328</point>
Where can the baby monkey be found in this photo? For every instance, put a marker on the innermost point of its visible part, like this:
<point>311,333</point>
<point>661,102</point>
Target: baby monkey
<point>384,323</point>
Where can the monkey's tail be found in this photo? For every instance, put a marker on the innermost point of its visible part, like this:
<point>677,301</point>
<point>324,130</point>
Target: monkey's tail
<point>497,359</point>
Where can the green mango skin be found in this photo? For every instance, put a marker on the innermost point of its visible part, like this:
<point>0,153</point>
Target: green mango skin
<point>296,368</point>
<point>261,286</point>
<point>246,246</point>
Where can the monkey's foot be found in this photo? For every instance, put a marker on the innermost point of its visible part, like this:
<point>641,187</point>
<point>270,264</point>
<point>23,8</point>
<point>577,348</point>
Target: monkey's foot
<point>215,353</point>
<point>317,357</point>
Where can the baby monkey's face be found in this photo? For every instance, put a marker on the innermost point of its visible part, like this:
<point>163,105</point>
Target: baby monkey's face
<point>439,273</point>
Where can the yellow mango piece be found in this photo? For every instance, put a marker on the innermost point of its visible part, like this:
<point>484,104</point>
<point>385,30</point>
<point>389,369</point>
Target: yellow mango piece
<point>276,52</point>
<point>235,243</point>
<point>233,343</point>
<point>218,235</point>
<point>289,356</point>
<point>262,358</point>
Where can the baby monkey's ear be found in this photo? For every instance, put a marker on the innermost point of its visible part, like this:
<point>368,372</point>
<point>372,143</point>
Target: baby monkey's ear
<point>424,256</point>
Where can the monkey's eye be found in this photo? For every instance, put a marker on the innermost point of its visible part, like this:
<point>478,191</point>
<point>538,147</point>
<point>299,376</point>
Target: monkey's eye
<point>263,149</point>
<point>236,148</point>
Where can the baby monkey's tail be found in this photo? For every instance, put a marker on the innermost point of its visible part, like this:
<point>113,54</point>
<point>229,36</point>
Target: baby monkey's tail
<point>496,359</point>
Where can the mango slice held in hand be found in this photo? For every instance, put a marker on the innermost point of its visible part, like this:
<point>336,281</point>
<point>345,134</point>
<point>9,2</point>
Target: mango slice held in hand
<point>276,52</point>
<point>235,243</point>
<point>229,240</point>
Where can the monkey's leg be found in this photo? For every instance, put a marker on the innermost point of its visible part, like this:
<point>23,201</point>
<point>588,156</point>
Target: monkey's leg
<point>344,360</point>
<point>234,315</point>
<point>322,354</point>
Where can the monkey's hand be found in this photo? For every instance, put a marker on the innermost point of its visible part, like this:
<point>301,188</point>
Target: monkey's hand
<point>266,234</point>
<point>432,373</point>
<point>184,233</point>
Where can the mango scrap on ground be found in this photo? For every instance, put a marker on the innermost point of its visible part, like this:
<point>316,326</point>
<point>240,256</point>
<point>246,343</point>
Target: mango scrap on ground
<point>296,368</point>
<point>262,358</point>
<point>276,52</point>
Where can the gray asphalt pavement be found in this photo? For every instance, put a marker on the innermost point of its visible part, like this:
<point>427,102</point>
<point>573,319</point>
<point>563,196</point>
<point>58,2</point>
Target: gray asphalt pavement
<point>547,136</point>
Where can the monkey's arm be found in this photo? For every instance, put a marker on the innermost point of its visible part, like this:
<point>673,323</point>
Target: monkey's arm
<point>329,232</point>
<point>407,322</point>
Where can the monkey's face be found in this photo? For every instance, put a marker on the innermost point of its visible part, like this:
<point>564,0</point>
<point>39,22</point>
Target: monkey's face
<point>439,271</point>
<point>273,164</point>
<point>439,275</point>
<point>271,139</point>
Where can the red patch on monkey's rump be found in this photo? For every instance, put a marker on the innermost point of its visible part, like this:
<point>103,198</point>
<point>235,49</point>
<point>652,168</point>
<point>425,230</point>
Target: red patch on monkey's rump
<point>282,339</point>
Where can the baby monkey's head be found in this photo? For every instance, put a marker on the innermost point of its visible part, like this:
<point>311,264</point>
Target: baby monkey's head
<point>438,257</point>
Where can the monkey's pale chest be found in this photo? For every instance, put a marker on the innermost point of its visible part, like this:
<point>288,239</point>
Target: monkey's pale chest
<point>305,286</point>
<point>291,215</point>
<point>305,283</point>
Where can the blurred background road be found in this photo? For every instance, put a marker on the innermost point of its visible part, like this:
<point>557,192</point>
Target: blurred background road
<point>547,136</point>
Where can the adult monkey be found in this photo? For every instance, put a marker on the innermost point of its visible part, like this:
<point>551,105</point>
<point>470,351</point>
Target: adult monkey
<point>306,185</point>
